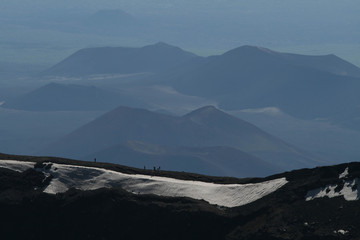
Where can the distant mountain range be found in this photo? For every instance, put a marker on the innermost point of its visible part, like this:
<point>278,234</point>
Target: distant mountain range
<point>161,57</point>
<point>156,58</point>
<point>307,87</point>
<point>198,130</point>
<point>250,77</point>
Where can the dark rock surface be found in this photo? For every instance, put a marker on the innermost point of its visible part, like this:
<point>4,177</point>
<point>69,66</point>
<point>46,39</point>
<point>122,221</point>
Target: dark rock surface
<point>117,214</point>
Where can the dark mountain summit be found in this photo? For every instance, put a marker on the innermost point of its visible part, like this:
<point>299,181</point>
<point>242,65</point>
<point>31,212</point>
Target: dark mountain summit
<point>155,58</point>
<point>205,127</point>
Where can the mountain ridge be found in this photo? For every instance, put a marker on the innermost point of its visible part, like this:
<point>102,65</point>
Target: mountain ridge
<point>329,62</point>
<point>124,124</point>
<point>121,60</point>
<point>249,77</point>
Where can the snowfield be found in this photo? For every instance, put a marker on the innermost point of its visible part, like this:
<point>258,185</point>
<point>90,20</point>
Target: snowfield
<point>16,165</point>
<point>344,174</point>
<point>349,190</point>
<point>89,178</point>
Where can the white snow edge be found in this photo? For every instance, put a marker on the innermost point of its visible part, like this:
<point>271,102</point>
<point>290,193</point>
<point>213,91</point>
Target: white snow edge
<point>18,166</point>
<point>344,174</point>
<point>91,178</point>
<point>341,231</point>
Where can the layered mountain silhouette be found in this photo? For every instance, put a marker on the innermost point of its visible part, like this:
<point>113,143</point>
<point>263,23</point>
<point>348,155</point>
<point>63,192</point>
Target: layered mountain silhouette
<point>205,127</point>
<point>304,86</point>
<point>69,97</point>
<point>155,58</point>
<point>252,77</point>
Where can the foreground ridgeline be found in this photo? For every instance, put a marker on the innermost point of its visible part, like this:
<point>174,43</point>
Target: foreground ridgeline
<point>89,200</point>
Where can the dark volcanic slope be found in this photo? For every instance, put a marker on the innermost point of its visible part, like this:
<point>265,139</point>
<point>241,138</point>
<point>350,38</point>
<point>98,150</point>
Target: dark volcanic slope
<point>69,97</point>
<point>159,57</point>
<point>252,77</point>
<point>204,127</point>
<point>113,213</point>
<point>292,217</point>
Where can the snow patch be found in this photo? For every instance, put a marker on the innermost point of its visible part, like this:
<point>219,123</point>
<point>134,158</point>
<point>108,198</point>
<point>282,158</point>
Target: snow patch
<point>90,178</point>
<point>341,231</point>
<point>350,191</point>
<point>18,166</point>
<point>344,174</point>
<point>228,195</point>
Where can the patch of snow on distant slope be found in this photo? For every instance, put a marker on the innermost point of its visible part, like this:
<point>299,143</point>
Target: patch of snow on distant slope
<point>350,191</point>
<point>344,174</point>
<point>343,232</point>
<point>18,166</point>
<point>90,178</point>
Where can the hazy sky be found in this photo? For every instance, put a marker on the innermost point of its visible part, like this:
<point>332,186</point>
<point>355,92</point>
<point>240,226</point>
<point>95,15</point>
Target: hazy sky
<point>203,26</point>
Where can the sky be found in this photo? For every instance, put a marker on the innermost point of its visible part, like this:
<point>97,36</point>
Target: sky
<point>49,30</point>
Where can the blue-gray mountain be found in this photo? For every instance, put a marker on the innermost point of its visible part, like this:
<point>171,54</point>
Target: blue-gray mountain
<point>156,58</point>
<point>205,127</point>
<point>250,77</point>
<point>308,87</point>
